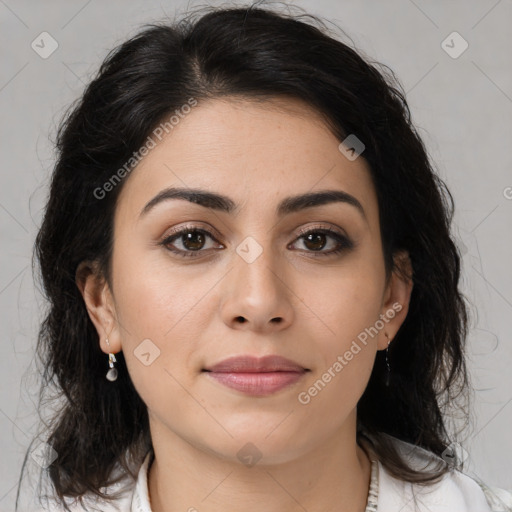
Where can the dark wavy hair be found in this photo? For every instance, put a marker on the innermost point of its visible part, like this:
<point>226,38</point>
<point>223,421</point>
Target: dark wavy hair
<point>250,53</point>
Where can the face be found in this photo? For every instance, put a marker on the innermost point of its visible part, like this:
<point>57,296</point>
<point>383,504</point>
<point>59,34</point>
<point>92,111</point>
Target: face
<point>254,273</point>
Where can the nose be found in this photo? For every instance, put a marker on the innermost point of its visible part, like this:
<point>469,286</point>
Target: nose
<point>257,296</point>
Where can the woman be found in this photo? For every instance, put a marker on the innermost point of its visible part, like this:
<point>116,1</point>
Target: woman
<point>253,288</point>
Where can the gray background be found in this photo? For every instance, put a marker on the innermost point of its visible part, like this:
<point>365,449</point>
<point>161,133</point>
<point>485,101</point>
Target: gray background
<point>462,107</point>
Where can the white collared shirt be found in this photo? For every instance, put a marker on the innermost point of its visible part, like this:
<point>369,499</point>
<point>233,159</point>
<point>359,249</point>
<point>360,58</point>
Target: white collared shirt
<point>456,492</point>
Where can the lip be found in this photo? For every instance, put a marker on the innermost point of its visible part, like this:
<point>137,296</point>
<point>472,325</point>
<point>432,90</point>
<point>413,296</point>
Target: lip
<point>257,376</point>
<point>251,364</point>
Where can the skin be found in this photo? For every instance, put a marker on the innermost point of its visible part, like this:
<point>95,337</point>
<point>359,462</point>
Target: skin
<point>256,153</point>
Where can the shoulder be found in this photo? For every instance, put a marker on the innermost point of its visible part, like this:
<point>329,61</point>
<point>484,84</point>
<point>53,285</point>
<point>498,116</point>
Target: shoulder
<point>500,500</point>
<point>91,503</point>
<point>456,491</point>
<point>122,494</point>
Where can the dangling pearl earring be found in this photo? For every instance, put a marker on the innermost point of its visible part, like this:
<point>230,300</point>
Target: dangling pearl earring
<point>112,373</point>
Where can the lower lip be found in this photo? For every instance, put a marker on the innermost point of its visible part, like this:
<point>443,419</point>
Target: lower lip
<point>257,384</point>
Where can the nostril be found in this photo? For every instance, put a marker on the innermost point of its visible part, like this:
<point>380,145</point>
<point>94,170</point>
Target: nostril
<point>240,319</point>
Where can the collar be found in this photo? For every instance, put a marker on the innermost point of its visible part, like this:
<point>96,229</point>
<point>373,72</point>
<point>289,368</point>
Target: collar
<point>140,500</point>
<point>455,491</point>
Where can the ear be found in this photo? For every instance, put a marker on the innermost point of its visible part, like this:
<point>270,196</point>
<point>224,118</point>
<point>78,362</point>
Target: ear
<point>100,305</point>
<point>396,298</point>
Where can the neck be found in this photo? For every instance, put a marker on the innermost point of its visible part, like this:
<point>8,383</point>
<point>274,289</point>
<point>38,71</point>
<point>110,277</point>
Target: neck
<point>334,476</point>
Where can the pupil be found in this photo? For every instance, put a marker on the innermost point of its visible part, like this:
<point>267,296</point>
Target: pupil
<point>319,237</point>
<point>193,240</point>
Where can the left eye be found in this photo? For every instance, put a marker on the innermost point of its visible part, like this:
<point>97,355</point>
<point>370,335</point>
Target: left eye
<point>316,239</point>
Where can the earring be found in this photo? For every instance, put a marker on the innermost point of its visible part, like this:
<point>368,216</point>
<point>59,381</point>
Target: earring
<point>112,373</point>
<point>388,374</point>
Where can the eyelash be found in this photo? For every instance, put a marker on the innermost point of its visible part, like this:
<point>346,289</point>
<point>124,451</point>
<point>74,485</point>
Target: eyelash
<point>344,243</point>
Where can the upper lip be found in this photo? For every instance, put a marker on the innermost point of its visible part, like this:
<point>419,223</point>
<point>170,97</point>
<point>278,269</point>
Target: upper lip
<point>251,364</point>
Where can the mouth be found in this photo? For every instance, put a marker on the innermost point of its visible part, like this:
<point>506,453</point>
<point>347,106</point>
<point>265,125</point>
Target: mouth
<point>256,376</point>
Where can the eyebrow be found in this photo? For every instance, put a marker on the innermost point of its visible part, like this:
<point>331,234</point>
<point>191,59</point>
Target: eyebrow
<point>222,203</point>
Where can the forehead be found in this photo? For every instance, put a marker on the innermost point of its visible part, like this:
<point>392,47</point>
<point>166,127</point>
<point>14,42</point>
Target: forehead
<point>255,152</point>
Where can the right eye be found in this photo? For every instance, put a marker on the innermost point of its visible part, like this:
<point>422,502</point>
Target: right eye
<point>191,238</point>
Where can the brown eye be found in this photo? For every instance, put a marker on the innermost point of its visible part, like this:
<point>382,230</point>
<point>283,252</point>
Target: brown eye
<point>192,240</point>
<point>315,240</point>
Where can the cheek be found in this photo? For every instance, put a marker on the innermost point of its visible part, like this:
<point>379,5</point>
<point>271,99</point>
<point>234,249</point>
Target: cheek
<point>346,309</point>
<point>164,311</point>
<point>158,299</point>
<point>344,305</point>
